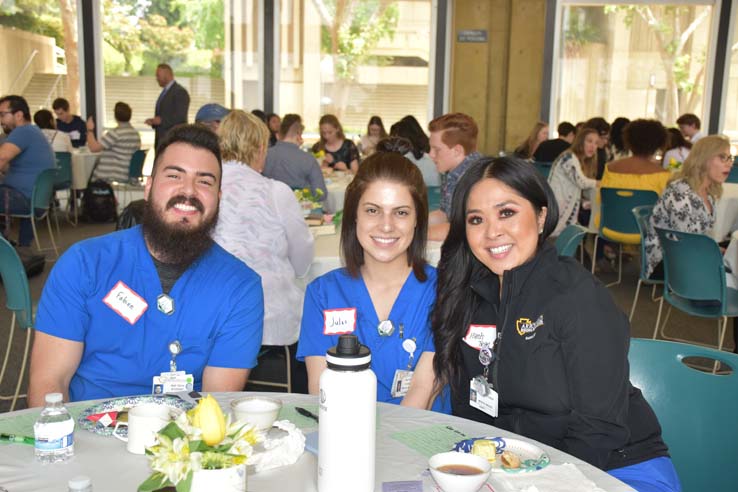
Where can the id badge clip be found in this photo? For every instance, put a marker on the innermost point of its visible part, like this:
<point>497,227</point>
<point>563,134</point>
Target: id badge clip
<point>481,394</point>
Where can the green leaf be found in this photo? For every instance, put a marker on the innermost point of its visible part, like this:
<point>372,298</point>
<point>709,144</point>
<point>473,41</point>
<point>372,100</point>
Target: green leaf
<point>172,431</point>
<point>156,481</point>
<point>186,484</point>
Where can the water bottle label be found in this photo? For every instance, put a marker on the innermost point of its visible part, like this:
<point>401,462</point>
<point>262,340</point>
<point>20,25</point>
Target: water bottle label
<point>52,444</point>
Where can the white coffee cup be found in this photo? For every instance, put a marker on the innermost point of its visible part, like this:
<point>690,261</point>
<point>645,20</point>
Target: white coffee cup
<point>144,421</point>
<point>257,410</point>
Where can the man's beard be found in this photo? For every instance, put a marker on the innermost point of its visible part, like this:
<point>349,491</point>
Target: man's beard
<point>174,243</point>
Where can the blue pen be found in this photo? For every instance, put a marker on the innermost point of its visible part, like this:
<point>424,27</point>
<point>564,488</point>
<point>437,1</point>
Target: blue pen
<point>18,439</point>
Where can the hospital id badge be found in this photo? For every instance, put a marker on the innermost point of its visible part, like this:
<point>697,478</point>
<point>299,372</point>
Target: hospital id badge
<point>401,383</point>
<point>482,396</point>
<point>172,382</point>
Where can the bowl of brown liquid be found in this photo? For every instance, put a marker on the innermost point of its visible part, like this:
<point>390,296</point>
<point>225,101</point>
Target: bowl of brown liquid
<point>459,472</point>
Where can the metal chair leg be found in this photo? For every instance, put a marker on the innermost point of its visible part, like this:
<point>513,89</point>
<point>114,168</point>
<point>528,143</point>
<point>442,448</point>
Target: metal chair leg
<point>594,254</point>
<point>658,319</point>
<point>635,300</point>
<point>620,267</point>
<point>51,235</point>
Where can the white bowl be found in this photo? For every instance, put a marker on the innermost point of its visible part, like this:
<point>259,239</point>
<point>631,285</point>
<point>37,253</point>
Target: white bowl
<point>258,410</point>
<point>450,482</point>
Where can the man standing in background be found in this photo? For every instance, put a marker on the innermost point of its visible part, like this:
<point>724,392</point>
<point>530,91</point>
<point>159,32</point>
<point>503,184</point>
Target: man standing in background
<point>171,106</point>
<point>69,123</point>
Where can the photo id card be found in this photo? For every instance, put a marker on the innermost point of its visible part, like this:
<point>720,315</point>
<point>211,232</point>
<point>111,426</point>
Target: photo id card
<point>483,397</point>
<point>401,383</point>
<point>172,382</point>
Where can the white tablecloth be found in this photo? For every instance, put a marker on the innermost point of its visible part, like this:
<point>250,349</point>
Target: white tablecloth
<point>336,186</point>
<point>82,163</point>
<point>112,469</point>
<point>328,255</point>
<point>726,212</point>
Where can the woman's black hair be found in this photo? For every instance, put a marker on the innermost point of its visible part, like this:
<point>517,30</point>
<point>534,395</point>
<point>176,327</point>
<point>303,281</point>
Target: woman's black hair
<point>419,140</point>
<point>456,302</point>
<point>675,140</point>
<point>616,133</point>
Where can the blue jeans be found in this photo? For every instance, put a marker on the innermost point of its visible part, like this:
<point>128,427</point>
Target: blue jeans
<point>18,203</point>
<point>654,475</point>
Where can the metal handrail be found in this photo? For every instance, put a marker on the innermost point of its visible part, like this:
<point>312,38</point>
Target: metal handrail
<point>23,70</point>
<point>47,102</point>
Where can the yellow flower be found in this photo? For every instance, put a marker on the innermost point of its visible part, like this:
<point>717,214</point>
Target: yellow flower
<point>208,416</point>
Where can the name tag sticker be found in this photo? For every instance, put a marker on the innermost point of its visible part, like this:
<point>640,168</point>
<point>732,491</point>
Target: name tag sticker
<point>478,335</point>
<point>124,301</point>
<point>339,321</point>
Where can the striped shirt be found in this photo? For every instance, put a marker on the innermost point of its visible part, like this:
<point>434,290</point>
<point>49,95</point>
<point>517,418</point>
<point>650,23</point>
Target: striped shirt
<point>119,144</point>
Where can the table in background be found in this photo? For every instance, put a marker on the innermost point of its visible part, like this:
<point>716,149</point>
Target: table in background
<point>336,186</point>
<point>112,469</point>
<point>726,212</point>
<point>328,255</point>
<point>82,163</point>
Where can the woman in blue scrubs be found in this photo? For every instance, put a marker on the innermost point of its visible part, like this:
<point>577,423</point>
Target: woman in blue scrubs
<point>385,292</point>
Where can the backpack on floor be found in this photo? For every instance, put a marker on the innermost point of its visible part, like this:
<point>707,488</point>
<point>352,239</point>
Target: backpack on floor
<point>98,203</point>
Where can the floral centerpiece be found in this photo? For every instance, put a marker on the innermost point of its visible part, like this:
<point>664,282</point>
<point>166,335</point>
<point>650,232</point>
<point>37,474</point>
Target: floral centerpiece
<point>674,165</point>
<point>198,440</point>
<point>309,200</point>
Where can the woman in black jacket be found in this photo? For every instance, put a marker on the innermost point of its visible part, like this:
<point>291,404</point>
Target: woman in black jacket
<point>532,343</point>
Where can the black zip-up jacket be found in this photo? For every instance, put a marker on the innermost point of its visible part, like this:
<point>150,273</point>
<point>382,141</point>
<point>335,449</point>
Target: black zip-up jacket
<point>562,369</point>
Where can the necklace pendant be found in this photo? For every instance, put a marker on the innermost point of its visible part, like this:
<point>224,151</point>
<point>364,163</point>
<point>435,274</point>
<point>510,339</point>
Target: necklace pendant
<point>165,304</point>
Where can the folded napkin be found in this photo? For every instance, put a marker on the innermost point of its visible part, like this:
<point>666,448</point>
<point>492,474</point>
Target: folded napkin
<point>553,478</point>
<point>282,451</point>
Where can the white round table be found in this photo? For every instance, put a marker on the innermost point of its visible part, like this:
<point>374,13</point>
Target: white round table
<point>83,161</point>
<point>112,469</point>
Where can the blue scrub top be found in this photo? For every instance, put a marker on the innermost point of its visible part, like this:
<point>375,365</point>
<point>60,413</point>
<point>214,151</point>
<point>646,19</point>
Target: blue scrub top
<point>218,317</point>
<point>338,290</point>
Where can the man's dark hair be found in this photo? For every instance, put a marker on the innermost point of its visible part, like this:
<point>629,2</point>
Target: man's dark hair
<point>598,123</point>
<point>398,145</point>
<point>60,103</point>
<point>195,135</point>
<point>17,103</point>
<point>165,66</point>
<point>565,128</point>
<point>259,114</point>
<point>44,119</point>
<point>288,122</point>
<point>689,119</point>
<point>122,112</point>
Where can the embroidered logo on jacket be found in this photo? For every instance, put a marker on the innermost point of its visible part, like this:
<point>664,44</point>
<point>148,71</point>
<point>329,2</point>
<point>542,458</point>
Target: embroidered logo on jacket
<point>527,328</point>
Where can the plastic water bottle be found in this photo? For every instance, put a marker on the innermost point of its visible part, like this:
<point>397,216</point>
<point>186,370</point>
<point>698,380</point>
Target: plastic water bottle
<point>348,412</point>
<point>54,431</point>
<point>80,484</point>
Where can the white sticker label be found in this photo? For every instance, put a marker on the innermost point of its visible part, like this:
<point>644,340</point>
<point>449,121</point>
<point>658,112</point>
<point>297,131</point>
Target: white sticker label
<point>339,321</point>
<point>124,301</point>
<point>478,335</point>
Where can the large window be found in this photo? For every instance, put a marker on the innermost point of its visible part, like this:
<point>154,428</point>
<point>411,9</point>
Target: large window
<point>730,111</point>
<point>354,58</point>
<point>632,59</point>
<point>39,53</point>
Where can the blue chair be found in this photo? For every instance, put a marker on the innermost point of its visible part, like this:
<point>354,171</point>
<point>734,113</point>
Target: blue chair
<point>694,280</point>
<point>570,239</point>
<point>135,173</point>
<point>18,301</point>
<point>434,197</point>
<point>63,181</point>
<point>642,215</point>
<point>733,176</point>
<point>617,223</point>
<point>696,409</point>
<point>40,207</point>
<point>543,167</point>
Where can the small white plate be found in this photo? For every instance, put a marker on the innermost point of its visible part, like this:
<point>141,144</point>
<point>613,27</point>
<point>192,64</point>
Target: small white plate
<point>532,458</point>
<point>177,406</point>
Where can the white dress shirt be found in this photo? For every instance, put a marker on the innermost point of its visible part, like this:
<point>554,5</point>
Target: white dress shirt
<point>261,223</point>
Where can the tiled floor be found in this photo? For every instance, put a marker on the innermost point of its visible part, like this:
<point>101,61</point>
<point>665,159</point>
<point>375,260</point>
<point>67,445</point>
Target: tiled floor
<point>697,329</point>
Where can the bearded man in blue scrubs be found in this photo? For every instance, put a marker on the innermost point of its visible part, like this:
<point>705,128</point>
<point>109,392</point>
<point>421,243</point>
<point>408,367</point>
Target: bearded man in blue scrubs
<point>157,304</point>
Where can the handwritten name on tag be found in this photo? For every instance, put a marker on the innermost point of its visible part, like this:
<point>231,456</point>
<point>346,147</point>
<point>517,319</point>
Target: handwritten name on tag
<point>478,335</point>
<point>339,321</point>
<point>124,301</point>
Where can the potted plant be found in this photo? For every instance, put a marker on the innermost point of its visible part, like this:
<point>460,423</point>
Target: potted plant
<point>310,201</point>
<point>201,450</point>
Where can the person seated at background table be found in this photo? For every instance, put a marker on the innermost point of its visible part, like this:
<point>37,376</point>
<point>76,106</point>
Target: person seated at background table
<point>261,223</point>
<point>676,150</point>
<point>386,290</point>
<point>116,308</point>
<point>211,115</point>
<point>538,135</point>
<point>453,147</point>
<point>59,141</point>
<point>374,133</point>
<point>418,153</point>
<point>618,147</point>
<point>341,153</point>
<point>273,123</point>
<point>603,148</point>
<point>549,150</point>
<point>533,343</point>
<point>24,154</point>
<point>571,174</point>
<point>286,162</point>
<point>69,123</point>
<point>689,124</point>
<point>117,146</point>
<point>688,203</point>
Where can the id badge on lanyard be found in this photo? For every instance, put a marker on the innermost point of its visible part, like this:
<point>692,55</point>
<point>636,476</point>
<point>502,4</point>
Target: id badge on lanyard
<point>482,395</point>
<point>403,378</point>
<point>173,381</point>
